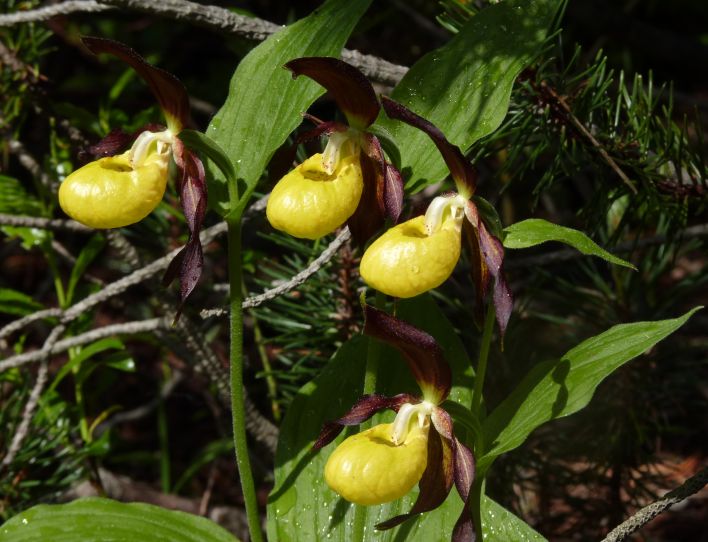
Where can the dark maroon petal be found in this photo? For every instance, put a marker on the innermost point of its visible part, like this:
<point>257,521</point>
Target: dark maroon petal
<point>348,86</point>
<point>464,474</point>
<point>193,196</point>
<point>117,140</point>
<point>112,144</point>
<point>363,409</point>
<point>420,350</point>
<point>435,483</point>
<point>479,270</point>
<point>464,468</point>
<point>493,254</point>
<point>370,214</point>
<point>167,89</point>
<point>389,183</point>
<point>393,195</point>
<point>442,421</point>
<point>464,530</point>
<point>460,168</point>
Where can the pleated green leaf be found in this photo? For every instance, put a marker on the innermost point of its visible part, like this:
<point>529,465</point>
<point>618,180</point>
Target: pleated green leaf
<point>557,388</point>
<point>464,87</point>
<point>104,520</point>
<point>534,231</point>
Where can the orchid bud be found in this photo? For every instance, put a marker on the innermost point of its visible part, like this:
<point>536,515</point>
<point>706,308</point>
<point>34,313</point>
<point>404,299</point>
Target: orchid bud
<point>371,468</point>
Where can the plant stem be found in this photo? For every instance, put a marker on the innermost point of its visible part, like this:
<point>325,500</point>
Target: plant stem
<point>373,353</point>
<point>243,461</point>
<point>372,368</point>
<point>482,362</point>
<point>475,502</point>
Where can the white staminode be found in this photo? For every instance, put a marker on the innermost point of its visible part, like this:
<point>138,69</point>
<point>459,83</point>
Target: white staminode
<point>142,143</point>
<point>436,212</point>
<point>340,145</point>
<point>401,425</point>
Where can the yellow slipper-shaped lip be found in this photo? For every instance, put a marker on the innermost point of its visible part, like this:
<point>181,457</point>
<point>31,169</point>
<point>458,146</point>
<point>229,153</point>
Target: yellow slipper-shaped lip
<point>309,203</point>
<point>406,261</point>
<point>111,193</point>
<point>368,468</point>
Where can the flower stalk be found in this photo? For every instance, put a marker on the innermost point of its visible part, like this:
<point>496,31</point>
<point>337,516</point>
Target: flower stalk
<point>243,461</point>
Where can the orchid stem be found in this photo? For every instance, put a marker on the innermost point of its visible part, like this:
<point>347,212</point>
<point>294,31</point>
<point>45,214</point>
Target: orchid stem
<point>482,362</point>
<point>373,353</point>
<point>477,492</point>
<point>475,506</point>
<point>372,368</point>
<point>243,461</point>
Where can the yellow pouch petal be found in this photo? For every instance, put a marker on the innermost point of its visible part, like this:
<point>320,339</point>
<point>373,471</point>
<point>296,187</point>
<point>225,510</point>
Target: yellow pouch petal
<point>111,193</point>
<point>406,261</point>
<point>368,468</point>
<point>310,203</point>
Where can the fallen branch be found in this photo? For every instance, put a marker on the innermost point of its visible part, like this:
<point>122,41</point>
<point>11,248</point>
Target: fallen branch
<point>211,17</point>
<point>294,282</point>
<point>693,485</point>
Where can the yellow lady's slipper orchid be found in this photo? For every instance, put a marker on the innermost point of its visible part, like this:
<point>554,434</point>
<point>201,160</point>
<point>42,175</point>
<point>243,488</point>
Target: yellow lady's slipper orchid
<point>115,191</point>
<point>316,197</point>
<point>417,255</point>
<point>372,468</point>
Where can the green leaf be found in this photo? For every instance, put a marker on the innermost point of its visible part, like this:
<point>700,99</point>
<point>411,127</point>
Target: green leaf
<point>15,200</point>
<point>534,231</point>
<point>104,520</point>
<point>557,388</point>
<point>301,506</point>
<point>92,249</point>
<point>18,303</point>
<point>464,87</point>
<point>264,104</point>
<point>500,525</point>
<point>86,353</point>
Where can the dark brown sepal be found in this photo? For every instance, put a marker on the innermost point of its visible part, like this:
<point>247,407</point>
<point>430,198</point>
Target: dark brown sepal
<point>348,86</point>
<point>420,350</point>
<point>435,483</point>
<point>116,141</point>
<point>167,89</point>
<point>363,409</point>
<point>193,196</point>
<point>462,172</point>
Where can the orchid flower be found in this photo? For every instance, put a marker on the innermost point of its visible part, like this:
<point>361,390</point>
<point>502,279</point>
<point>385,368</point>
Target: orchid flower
<point>385,462</point>
<point>350,181</point>
<point>119,190</point>
<point>421,253</point>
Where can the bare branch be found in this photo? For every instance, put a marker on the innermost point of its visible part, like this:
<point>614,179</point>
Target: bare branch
<point>47,12</point>
<point>297,280</point>
<point>42,223</point>
<point>29,162</point>
<point>53,347</point>
<point>211,17</point>
<point>10,328</point>
<point>31,405</point>
<point>693,485</point>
